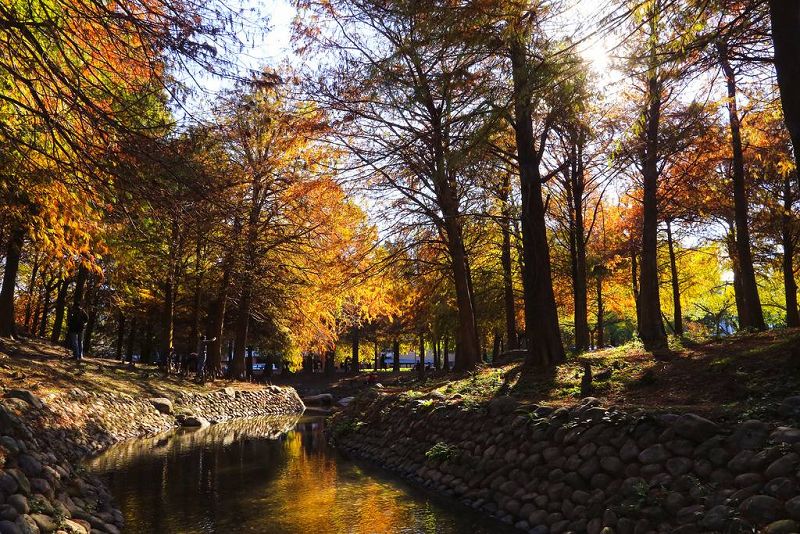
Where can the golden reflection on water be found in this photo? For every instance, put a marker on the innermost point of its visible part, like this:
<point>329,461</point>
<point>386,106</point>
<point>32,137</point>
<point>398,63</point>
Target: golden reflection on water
<point>272,475</point>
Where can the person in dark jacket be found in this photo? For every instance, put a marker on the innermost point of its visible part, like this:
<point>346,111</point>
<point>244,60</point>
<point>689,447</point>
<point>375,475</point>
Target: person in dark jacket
<point>76,322</point>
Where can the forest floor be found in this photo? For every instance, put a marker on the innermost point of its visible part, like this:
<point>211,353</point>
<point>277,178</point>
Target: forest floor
<point>43,367</point>
<point>739,377</point>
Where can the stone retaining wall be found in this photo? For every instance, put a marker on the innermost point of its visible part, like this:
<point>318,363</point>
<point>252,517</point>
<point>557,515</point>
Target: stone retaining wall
<point>584,469</point>
<point>43,486</point>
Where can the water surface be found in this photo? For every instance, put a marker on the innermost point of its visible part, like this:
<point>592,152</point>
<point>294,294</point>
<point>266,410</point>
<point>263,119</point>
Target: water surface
<point>274,475</point>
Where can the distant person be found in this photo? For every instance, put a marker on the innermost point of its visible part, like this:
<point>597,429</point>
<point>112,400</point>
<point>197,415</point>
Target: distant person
<point>202,354</point>
<point>76,322</point>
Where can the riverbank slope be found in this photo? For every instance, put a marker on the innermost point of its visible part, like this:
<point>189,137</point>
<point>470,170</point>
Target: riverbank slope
<point>54,413</point>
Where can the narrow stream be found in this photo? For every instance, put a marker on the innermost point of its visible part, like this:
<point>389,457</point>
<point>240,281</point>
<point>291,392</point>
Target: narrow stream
<point>273,475</point>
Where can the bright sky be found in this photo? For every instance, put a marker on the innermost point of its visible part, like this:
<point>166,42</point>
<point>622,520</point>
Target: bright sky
<point>581,18</point>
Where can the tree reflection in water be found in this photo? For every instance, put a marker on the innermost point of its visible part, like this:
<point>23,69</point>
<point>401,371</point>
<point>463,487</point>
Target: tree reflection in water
<point>274,475</point>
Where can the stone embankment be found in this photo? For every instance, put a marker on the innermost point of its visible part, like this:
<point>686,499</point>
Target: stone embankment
<point>43,486</point>
<point>585,468</point>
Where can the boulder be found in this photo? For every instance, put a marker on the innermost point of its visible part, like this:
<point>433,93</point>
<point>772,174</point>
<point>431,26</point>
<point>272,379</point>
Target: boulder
<point>25,395</point>
<point>194,421</point>
<point>7,527</point>
<point>784,526</point>
<point>761,509</point>
<point>654,454</point>
<point>750,434</point>
<point>44,522</point>
<point>782,466</point>
<point>785,434</point>
<point>790,407</point>
<point>694,427</point>
<point>163,405</point>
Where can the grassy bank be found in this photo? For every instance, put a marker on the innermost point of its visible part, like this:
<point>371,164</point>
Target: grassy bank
<point>43,368</point>
<point>740,376</point>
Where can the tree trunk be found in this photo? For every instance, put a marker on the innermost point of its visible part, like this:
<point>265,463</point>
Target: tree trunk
<point>676,290</point>
<point>467,329</point>
<point>541,314</point>
<point>217,320</point>
<point>13,254</point>
<point>421,368</point>
<point>38,309</point>
<point>242,325</point>
<point>356,335</point>
<point>785,15</point>
<point>446,347</point>
<point>788,241</point>
<point>505,260</point>
<point>651,327</point>
<point>194,332</point>
<point>80,284</point>
<point>29,309</point>
<point>600,313</point>
<point>61,300</point>
<point>91,324</point>
<point>437,355</point>
<point>578,248</point>
<point>168,318</point>
<point>217,324</point>
<point>496,346</point>
<point>396,350</point>
<point>753,317</point>
<point>120,333</point>
<point>48,293</point>
<point>131,340</point>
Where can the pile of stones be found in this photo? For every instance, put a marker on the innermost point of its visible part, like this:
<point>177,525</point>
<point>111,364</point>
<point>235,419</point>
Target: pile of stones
<point>586,468</point>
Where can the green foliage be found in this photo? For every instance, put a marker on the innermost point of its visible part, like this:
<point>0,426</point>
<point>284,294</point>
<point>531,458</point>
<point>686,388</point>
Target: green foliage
<point>441,452</point>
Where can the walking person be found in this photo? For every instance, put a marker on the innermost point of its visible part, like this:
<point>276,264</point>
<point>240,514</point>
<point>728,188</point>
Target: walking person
<point>76,322</point>
<point>202,354</point>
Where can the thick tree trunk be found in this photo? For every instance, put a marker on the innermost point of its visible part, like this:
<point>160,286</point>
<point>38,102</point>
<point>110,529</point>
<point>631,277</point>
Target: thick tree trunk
<point>217,324</point>
<point>651,326</point>
<point>600,312</point>
<point>676,289</point>
<point>13,254</point>
<point>80,285</point>
<point>61,301</point>
<point>396,350</point>
<point>753,317</point>
<point>356,336</point>
<point>467,329</point>
<point>578,249</point>
<point>242,326</point>
<point>505,260</point>
<point>541,314</point>
<point>788,241</point>
<point>785,15</point>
